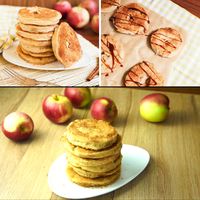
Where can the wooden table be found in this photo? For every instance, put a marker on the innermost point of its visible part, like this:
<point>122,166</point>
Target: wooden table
<point>174,146</point>
<point>192,6</point>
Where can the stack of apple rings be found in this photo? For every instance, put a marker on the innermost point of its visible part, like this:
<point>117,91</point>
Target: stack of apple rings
<point>93,152</point>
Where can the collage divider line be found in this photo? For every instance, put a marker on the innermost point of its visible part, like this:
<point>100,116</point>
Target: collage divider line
<point>99,43</point>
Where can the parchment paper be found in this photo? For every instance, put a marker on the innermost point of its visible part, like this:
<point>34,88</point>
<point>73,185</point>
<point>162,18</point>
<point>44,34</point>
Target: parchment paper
<point>137,48</point>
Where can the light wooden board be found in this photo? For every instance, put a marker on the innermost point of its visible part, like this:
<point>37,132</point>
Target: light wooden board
<point>174,146</point>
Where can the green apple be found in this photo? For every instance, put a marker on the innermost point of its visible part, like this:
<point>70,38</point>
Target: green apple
<point>154,107</point>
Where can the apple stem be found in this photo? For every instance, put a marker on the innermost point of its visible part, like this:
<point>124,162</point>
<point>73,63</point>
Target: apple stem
<point>56,97</point>
<point>21,128</point>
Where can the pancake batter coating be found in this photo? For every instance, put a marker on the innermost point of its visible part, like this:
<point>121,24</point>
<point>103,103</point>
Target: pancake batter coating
<point>91,182</point>
<point>165,41</point>
<point>66,46</point>
<point>143,74</point>
<point>131,19</point>
<point>39,16</point>
<point>91,134</point>
<point>109,5</point>
<point>88,153</point>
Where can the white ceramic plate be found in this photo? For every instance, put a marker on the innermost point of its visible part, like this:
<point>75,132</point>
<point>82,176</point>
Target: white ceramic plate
<point>11,56</point>
<point>134,161</point>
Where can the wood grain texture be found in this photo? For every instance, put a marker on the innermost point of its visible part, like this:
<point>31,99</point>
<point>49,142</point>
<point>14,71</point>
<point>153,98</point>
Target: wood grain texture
<point>174,146</point>
<point>46,3</point>
<point>14,2</point>
<point>192,6</point>
<point>50,3</point>
<point>42,3</point>
<point>190,90</point>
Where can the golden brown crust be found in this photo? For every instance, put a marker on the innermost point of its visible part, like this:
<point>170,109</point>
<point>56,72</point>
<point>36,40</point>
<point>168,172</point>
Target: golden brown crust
<point>165,41</point>
<point>89,174</point>
<point>91,134</point>
<point>66,45</point>
<point>37,55</point>
<point>26,41</point>
<point>39,16</point>
<point>91,162</point>
<point>109,5</point>
<point>88,153</point>
<point>101,168</point>
<point>34,36</point>
<point>36,28</point>
<point>33,60</point>
<point>143,74</point>
<point>112,54</point>
<point>35,49</point>
<point>94,157</point>
<point>91,182</point>
<point>131,19</point>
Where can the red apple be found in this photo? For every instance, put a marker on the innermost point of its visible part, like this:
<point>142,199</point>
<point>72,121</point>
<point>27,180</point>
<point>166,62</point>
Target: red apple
<point>57,108</point>
<point>95,23</point>
<point>63,7</point>
<point>79,97</point>
<point>91,6</point>
<point>154,107</point>
<point>78,17</point>
<point>17,126</point>
<point>104,109</point>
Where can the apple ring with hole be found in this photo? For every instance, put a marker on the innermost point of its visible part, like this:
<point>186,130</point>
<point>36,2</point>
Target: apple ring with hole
<point>143,74</point>
<point>131,19</point>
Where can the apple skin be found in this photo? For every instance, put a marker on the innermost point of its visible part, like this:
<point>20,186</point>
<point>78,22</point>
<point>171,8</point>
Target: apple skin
<point>57,108</point>
<point>95,23</point>
<point>63,7</point>
<point>104,109</point>
<point>78,17</point>
<point>79,97</point>
<point>91,6</point>
<point>17,126</point>
<point>154,107</point>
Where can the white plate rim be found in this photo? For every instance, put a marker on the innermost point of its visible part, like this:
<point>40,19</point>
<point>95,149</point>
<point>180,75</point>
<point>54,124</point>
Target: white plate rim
<point>22,63</point>
<point>103,188</point>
